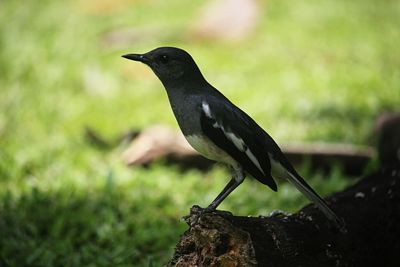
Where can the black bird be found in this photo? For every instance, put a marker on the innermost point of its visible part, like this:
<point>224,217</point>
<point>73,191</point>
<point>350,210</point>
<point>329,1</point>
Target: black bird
<point>219,130</point>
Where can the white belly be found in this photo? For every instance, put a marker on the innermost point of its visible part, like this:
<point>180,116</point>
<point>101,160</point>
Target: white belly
<point>208,149</point>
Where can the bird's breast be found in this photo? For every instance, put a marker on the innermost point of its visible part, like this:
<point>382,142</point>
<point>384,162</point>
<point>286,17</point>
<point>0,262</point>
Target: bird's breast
<point>186,109</point>
<point>208,149</point>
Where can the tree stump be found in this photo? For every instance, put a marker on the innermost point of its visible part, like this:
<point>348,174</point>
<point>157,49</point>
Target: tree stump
<point>370,209</point>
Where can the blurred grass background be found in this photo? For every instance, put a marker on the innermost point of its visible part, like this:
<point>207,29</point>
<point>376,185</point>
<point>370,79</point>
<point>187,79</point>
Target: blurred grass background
<point>313,71</point>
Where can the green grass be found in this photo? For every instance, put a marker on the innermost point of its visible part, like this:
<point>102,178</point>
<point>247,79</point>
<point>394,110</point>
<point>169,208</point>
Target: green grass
<point>312,71</point>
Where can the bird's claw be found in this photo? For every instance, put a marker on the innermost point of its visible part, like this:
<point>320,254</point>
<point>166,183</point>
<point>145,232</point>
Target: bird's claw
<point>185,218</point>
<point>195,213</point>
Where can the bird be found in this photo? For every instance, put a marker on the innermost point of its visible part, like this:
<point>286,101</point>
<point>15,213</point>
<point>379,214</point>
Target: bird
<point>221,131</point>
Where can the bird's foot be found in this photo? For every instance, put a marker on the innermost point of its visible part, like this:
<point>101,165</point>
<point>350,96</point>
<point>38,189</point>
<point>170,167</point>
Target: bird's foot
<point>196,212</point>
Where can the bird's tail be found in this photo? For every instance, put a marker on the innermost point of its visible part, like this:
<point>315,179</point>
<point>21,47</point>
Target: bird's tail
<point>303,187</point>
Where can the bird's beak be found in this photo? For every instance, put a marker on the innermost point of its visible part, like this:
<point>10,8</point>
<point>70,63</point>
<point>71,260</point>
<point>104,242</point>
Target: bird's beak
<point>137,57</point>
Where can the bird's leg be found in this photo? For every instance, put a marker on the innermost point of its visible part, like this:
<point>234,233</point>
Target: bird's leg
<point>237,178</point>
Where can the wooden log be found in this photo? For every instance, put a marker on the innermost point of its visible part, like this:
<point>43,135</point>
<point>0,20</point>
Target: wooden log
<point>370,209</point>
<point>161,142</point>
<point>387,128</point>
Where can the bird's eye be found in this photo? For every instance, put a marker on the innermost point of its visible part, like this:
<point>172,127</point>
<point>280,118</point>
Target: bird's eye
<point>164,59</point>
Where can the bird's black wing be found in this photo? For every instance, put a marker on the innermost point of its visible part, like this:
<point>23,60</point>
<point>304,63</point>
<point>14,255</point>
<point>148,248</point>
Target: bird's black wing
<point>234,132</point>
<point>245,141</point>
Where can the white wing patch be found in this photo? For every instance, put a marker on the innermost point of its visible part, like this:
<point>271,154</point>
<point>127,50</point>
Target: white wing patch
<point>254,159</point>
<point>206,109</point>
<point>237,141</point>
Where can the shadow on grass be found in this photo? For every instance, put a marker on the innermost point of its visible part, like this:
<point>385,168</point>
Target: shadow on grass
<point>72,229</point>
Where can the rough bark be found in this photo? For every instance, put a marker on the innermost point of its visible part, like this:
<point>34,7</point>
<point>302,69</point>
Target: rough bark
<point>370,209</point>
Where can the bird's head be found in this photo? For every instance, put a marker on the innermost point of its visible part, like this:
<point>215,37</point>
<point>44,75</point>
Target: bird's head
<point>170,64</point>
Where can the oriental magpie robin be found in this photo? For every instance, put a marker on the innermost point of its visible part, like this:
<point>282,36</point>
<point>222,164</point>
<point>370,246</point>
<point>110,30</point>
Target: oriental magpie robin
<point>221,131</point>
